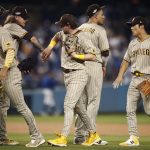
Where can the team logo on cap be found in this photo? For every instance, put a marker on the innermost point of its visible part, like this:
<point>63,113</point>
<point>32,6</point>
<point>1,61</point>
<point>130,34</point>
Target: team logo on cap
<point>95,11</point>
<point>18,13</point>
<point>26,11</point>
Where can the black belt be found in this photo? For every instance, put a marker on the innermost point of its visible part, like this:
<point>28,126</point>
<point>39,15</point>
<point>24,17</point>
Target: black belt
<point>68,70</point>
<point>138,74</point>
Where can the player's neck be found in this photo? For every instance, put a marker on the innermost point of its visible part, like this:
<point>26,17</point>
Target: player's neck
<point>143,36</point>
<point>92,21</point>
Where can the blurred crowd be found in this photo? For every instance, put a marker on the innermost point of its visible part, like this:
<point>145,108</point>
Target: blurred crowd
<point>43,16</point>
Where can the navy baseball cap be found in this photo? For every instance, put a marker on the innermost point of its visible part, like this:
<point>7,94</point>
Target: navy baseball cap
<point>93,9</point>
<point>20,11</point>
<point>137,20</point>
<point>67,19</point>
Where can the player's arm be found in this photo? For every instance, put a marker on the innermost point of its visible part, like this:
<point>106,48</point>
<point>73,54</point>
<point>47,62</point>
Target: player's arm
<point>123,68</point>
<point>88,56</point>
<point>119,79</point>
<point>84,57</point>
<point>9,49</point>
<point>47,51</point>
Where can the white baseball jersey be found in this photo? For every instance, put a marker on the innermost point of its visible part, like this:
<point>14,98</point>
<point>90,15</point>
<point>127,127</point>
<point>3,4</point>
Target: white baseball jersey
<point>97,35</point>
<point>69,41</point>
<point>138,54</point>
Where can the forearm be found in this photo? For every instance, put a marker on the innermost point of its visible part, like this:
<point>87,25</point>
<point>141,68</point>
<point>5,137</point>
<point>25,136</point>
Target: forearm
<point>84,57</point>
<point>123,68</point>
<point>36,43</point>
<point>9,58</point>
<point>105,57</point>
<point>105,61</point>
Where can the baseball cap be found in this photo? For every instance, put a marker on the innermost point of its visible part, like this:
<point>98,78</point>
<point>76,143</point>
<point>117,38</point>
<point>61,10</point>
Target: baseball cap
<point>137,20</point>
<point>67,19</point>
<point>93,9</point>
<point>20,11</point>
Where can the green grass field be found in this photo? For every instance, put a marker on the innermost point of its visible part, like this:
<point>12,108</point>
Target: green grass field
<point>105,118</point>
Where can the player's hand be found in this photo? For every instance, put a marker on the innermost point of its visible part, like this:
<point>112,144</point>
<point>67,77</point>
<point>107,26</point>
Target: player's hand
<point>45,54</point>
<point>3,73</point>
<point>117,82</point>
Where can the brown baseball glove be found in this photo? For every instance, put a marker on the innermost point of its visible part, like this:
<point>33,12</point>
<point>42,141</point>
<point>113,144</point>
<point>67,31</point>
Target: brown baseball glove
<point>144,87</point>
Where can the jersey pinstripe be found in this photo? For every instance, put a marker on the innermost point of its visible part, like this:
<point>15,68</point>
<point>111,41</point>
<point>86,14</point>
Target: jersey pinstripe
<point>12,90</point>
<point>6,43</point>
<point>75,81</point>
<point>97,36</point>
<point>138,54</point>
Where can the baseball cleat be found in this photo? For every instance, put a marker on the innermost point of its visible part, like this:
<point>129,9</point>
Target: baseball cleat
<point>93,138</point>
<point>79,140</point>
<point>132,141</point>
<point>101,142</point>
<point>36,142</point>
<point>60,141</point>
<point>8,142</point>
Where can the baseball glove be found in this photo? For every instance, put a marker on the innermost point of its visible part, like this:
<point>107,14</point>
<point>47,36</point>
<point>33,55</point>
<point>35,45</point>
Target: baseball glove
<point>144,87</point>
<point>27,65</point>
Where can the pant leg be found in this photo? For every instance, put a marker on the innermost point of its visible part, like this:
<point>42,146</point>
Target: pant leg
<point>13,89</point>
<point>4,106</point>
<point>93,94</point>
<point>75,83</point>
<point>133,97</point>
<point>80,109</point>
<point>79,125</point>
<point>94,88</point>
<point>146,101</point>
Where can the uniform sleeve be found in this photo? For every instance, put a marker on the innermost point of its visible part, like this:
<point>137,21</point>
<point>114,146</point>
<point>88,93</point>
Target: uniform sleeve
<point>7,42</point>
<point>103,40</point>
<point>127,54</point>
<point>59,36</point>
<point>17,30</point>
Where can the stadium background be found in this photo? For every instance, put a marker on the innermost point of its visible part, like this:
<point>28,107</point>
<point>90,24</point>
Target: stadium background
<point>44,88</point>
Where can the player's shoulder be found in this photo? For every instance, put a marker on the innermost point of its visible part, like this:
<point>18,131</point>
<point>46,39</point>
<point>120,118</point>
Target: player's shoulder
<point>3,30</point>
<point>133,41</point>
<point>12,26</point>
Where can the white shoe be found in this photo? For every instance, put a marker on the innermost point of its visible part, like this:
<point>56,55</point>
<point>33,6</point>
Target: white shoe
<point>36,143</point>
<point>101,142</point>
<point>132,141</point>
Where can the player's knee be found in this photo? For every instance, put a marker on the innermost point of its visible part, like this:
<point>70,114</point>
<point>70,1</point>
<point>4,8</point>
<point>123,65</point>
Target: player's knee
<point>22,108</point>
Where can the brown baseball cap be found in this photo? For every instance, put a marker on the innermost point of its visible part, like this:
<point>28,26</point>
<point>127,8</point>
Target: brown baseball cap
<point>67,19</point>
<point>136,20</point>
<point>93,9</point>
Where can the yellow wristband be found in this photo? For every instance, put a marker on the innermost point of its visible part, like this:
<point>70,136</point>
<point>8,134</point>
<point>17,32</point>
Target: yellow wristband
<point>79,56</point>
<point>52,43</point>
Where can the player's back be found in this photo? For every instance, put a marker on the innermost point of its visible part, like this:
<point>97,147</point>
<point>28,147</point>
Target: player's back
<point>92,31</point>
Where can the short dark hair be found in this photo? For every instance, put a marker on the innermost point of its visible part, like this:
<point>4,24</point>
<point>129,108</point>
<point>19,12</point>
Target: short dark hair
<point>67,19</point>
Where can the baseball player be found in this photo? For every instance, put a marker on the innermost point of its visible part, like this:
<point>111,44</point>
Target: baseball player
<point>95,33</point>
<point>138,55</point>
<point>74,52</point>
<point>12,90</point>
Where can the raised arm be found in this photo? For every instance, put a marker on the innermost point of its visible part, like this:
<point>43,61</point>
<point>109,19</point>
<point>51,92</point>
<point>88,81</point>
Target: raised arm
<point>47,51</point>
